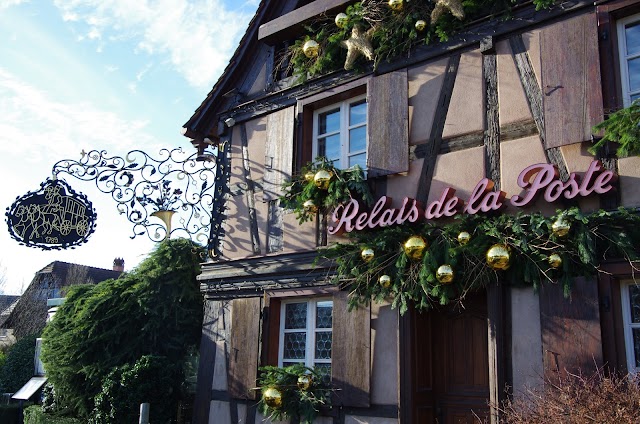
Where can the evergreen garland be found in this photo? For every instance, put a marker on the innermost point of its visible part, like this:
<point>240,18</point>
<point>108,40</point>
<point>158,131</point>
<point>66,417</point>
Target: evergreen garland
<point>395,33</point>
<point>621,127</point>
<point>297,403</point>
<point>592,238</point>
<point>344,185</point>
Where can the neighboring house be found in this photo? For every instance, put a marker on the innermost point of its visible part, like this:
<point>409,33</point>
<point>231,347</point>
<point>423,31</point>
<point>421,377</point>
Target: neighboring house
<point>499,97</point>
<point>29,315</point>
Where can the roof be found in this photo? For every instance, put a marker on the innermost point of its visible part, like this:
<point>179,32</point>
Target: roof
<point>63,270</point>
<point>6,301</point>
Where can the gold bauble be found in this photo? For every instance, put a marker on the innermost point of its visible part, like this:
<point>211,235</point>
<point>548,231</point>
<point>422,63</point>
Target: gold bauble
<point>367,254</point>
<point>464,237</point>
<point>560,227</point>
<point>322,179</point>
<point>396,5</point>
<point>444,274</point>
<point>420,25</point>
<point>499,257</point>
<point>311,48</point>
<point>341,20</point>
<point>304,382</point>
<point>272,397</point>
<point>555,260</point>
<point>308,177</point>
<point>309,206</point>
<point>415,246</point>
<point>385,281</point>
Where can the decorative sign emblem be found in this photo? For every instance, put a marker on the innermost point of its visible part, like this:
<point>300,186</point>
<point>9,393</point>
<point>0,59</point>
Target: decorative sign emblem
<point>54,217</point>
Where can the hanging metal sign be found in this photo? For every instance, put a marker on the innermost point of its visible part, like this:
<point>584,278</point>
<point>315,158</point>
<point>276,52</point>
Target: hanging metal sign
<point>53,217</point>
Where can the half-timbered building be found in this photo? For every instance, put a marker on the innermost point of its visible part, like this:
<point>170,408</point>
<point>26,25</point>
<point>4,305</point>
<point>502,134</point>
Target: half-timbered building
<point>501,94</point>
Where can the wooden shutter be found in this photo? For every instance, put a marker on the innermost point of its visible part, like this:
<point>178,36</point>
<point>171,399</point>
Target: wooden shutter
<point>278,164</point>
<point>351,353</point>
<point>571,84</point>
<point>244,347</point>
<point>388,124</point>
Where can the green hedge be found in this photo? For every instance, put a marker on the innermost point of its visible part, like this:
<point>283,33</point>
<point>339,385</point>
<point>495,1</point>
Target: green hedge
<point>34,415</point>
<point>18,367</point>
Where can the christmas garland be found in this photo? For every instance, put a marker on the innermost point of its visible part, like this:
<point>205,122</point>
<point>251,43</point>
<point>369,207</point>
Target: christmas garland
<point>320,186</point>
<point>621,127</point>
<point>295,392</point>
<point>382,30</point>
<point>430,265</point>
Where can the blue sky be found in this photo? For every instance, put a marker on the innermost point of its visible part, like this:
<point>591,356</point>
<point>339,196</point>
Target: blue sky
<point>97,74</point>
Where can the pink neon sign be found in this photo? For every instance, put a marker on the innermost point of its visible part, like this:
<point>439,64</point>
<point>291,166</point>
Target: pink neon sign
<point>535,180</point>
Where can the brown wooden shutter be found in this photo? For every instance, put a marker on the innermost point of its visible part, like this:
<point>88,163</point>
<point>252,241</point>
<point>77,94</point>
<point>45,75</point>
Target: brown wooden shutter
<point>244,347</point>
<point>278,164</point>
<point>351,353</point>
<point>388,124</point>
<point>571,84</point>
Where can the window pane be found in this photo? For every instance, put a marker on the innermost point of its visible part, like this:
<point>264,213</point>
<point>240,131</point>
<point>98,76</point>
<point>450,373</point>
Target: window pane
<point>329,121</point>
<point>634,306</point>
<point>325,372</point>
<point>288,364</point>
<point>329,147</point>
<point>634,74</point>
<point>324,311</point>
<point>323,345</point>
<point>635,96</point>
<point>358,113</point>
<point>295,316</point>
<point>632,35</point>
<point>360,159</point>
<point>636,346</point>
<point>295,345</point>
<point>357,139</point>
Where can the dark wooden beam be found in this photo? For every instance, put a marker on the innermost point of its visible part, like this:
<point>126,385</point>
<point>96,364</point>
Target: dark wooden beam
<point>290,25</point>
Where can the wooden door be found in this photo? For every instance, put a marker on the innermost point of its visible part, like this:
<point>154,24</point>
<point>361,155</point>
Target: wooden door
<point>450,366</point>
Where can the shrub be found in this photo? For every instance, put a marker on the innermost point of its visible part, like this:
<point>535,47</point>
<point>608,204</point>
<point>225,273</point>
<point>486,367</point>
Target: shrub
<point>151,379</point>
<point>19,366</point>
<point>35,415</point>
<point>576,399</point>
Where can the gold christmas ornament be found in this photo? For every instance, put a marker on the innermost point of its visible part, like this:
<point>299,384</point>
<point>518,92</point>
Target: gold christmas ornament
<point>396,5</point>
<point>415,246</point>
<point>308,177</point>
<point>560,227</point>
<point>272,397</point>
<point>311,48</point>
<point>341,20</point>
<point>442,6</point>
<point>358,44</point>
<point>444,274</point>
<point>420,25</point>
<point>499,257</point>
<point>367,254</point>
<point>385,281</point>
<point>555,260</point>
<point>304,382</point>
<point>322,179</point>
<point>464,237</point>
<point>309,206</point>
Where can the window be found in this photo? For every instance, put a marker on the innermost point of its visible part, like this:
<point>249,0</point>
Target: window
<point>340,133</point>
<point>631,318</point>
<point>306,333</point>
<point>629,51</point>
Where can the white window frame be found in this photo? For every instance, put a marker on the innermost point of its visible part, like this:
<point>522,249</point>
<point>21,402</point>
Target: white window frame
<point>628,326</point>
<point>310,330</point>
<point>344,129</point>
<point>624,58</point>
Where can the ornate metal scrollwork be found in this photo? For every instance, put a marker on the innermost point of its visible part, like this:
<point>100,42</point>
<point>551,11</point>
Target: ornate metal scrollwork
<point>176,183</point>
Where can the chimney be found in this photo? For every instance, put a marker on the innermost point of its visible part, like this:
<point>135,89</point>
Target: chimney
<point>118,264</point>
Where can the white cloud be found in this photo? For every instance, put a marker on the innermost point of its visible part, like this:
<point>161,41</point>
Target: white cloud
<point>198,37</point>
<point>39,127</point>
<point>4,4</point>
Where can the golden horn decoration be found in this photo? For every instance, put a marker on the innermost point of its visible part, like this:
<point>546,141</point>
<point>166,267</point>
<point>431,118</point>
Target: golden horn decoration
<point>165,216</point>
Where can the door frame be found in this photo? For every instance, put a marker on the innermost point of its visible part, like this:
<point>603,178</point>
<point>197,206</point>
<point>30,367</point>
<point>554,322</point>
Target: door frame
<point>497,332</point>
